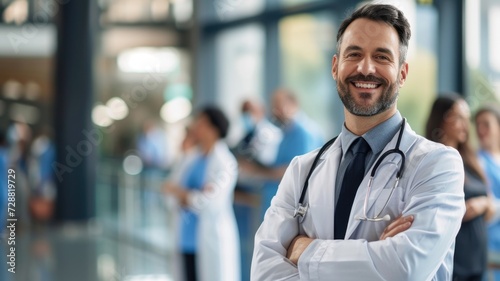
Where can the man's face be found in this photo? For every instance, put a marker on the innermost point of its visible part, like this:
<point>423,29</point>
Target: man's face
<point>367,68</point>
<point>283,109</point>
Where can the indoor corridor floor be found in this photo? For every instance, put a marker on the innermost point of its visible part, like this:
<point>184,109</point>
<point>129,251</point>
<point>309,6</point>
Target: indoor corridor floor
<point>81,253</point>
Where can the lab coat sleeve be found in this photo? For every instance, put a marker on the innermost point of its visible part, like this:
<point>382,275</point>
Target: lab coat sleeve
<point>276,232</point>
<point>436,200</point>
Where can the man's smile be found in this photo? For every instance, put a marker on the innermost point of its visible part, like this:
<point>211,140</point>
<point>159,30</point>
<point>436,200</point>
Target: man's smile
<point>365,85</point>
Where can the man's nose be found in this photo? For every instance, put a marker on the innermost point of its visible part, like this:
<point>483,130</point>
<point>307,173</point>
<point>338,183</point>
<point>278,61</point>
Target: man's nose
<point>366,66</point>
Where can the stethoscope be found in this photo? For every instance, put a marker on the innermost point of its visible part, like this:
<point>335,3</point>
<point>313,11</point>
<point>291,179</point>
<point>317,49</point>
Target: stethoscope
<point>302,208</point>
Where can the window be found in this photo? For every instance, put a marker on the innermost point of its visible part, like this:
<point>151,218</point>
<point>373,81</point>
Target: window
<point>482,21</point>
<point>240,58</point>
<point>307,44</point>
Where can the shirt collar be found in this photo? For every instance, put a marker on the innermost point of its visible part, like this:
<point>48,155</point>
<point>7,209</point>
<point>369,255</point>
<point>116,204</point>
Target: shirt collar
<point>378,137</point>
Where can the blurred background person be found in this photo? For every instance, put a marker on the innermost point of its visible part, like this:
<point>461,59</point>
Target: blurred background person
<point>208,231</point>
<point>43,189</point>
<point>19,136</point>
<point>259,145</point>
<point>448,123</point>
<point>261,137</point>
<point>292,119</point>
<point>182,219</point>
<point>487,121</point>
<point>188,150</point>
<point>152,146</point>
<point>297,140</point>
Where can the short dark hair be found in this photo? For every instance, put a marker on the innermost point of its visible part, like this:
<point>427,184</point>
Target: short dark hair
<point>217,118</point>
<point>384,13</point>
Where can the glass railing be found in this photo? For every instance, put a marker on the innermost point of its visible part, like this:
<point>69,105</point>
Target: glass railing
<point>133,208</point>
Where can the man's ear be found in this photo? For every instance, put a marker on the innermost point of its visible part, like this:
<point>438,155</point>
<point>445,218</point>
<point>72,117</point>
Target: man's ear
<point>335,67</point>
<point>403,73</point>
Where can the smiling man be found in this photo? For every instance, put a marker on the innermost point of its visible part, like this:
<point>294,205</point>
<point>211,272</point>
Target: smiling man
<point>382,203</point>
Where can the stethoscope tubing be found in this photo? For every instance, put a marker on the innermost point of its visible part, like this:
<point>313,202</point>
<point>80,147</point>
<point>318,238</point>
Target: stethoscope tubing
<point>302,208</point>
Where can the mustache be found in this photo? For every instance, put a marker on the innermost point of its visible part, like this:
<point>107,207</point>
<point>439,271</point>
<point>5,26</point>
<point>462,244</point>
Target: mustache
<point>361,77</point>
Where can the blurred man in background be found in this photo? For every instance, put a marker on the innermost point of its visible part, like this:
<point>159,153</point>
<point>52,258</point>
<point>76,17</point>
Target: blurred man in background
<point>297,139</point>
<point>262,138</point>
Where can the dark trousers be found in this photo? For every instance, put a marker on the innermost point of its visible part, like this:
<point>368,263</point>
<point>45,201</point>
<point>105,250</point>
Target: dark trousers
<point>189,266</point>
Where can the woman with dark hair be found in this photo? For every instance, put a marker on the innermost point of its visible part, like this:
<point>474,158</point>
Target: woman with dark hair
<point>208,231</point>
<point>448,123</point>
<point>488,131</point>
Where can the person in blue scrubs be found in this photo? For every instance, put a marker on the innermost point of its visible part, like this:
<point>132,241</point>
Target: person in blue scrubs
<point>297,140</point>
<point>194,179</point>
<point>204,188</point>
<point>487,121</point>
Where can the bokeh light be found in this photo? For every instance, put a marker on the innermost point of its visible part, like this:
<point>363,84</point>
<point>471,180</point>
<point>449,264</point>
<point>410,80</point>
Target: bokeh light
<point>132,165</point>
<point>100,116</point>
<point>176,110</point>
<point>117,109</point>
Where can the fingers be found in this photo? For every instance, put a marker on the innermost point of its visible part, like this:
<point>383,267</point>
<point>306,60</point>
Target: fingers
<point>399,225</point>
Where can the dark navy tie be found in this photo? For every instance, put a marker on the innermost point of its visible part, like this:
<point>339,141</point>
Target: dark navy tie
<point>353,176</point>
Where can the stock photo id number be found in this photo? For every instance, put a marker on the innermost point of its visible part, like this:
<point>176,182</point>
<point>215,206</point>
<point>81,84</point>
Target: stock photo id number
<point>11,221</point>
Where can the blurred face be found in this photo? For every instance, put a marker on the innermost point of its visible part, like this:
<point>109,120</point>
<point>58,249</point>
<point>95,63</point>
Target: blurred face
<point>189,140</point>
<point>488,130</point>
<point>202,128</point>
<point>283,109</point>
<point>456,124</point>
<point>367,68</point>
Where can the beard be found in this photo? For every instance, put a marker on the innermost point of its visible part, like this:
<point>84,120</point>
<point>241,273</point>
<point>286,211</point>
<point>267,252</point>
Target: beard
<point>384,102</point>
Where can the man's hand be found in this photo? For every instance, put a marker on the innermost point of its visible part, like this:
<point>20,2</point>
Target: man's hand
<point>397,226</point>
<point>297,247</point>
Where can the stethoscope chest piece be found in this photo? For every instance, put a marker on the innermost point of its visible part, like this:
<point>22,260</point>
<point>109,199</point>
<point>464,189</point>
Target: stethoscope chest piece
<point>301,210</point>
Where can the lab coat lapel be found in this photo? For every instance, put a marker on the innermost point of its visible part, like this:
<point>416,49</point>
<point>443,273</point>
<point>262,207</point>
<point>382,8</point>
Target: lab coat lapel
<point>408,139</point>
<point>322,199</point>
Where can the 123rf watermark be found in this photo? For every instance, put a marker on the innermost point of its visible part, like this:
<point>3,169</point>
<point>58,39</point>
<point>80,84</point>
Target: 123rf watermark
<point>11,220</point>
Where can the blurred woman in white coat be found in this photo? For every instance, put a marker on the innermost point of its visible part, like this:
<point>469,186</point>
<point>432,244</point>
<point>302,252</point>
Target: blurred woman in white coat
<point>208,230</point>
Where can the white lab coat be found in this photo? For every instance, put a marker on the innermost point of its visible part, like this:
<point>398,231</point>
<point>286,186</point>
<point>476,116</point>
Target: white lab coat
<point>218,255</point>
<point>431,189</point>
<point>266,142</point>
